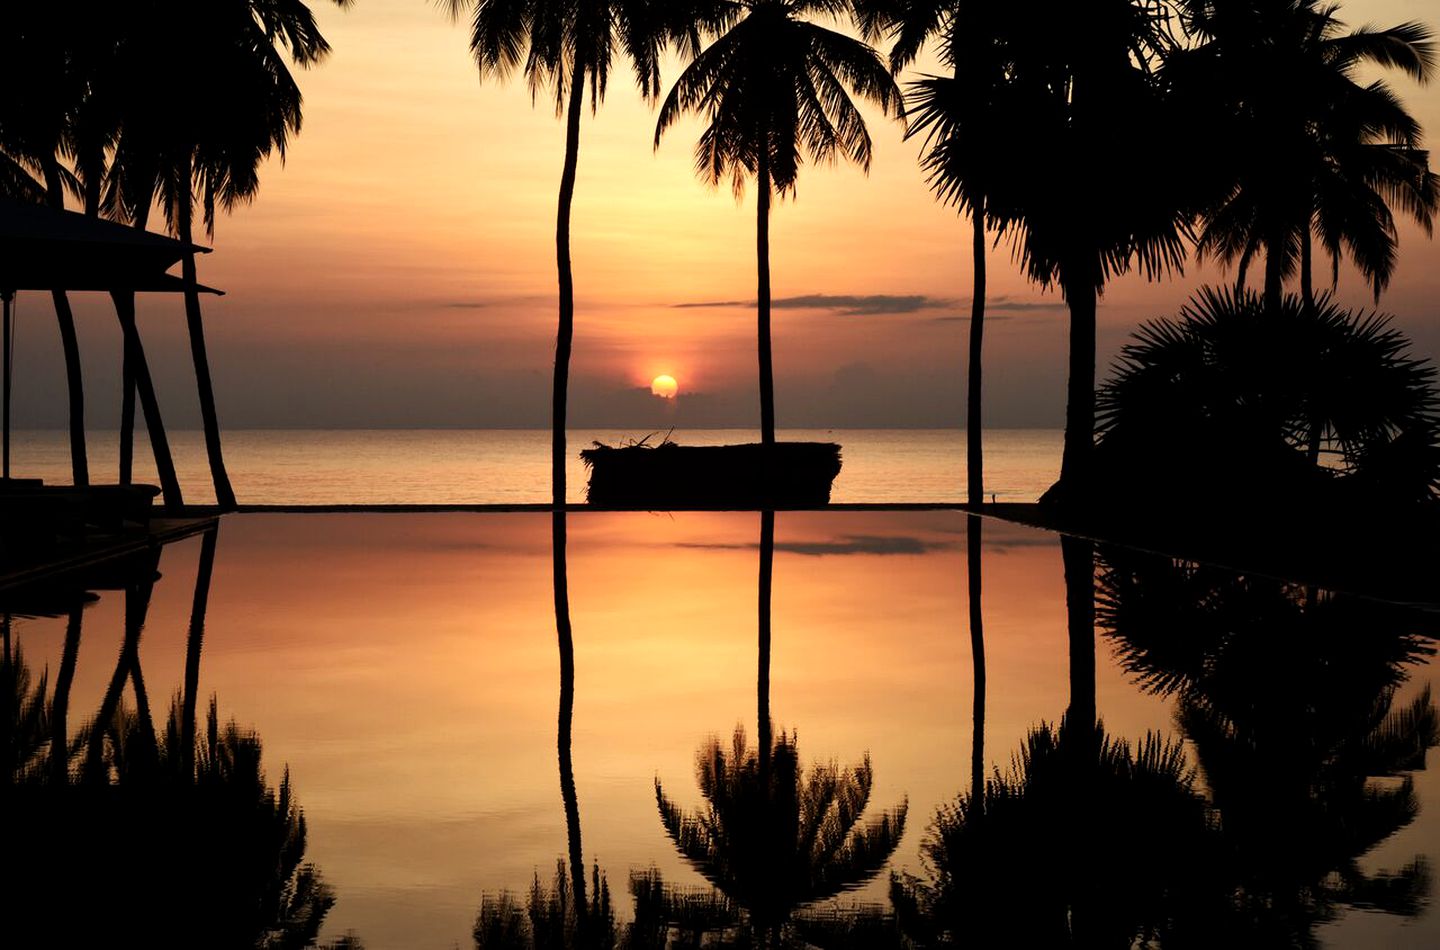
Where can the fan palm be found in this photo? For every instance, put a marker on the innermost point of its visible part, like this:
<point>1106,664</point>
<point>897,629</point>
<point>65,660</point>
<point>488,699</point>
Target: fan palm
<point>961,119</point>
<point>563,45</point>
<point>773,90</point>
<point>1319,152</point>
<point>1277,387</point>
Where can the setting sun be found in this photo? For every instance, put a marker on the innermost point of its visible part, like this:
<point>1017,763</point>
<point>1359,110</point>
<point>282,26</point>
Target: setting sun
<point>664,386</point>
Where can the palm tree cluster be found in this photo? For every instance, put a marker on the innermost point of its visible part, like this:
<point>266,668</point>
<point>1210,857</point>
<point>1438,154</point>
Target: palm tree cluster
<point>161,102</point>
<point>1100,138</point>
<point>1104,137</point>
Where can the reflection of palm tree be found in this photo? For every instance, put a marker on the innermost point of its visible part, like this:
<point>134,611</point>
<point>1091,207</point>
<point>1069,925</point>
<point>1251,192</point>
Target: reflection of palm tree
<point>776,840</point>
<point>127,667</point>
<point>772,838</point>
<point>566,643</point>
<point>1084,842</point>
<point>977,654</point>
<point>771,88</point>
<point>194,640</point>
<point>559,916</point>
<point>208,853</point>
<point>1287,695</point>
<point>23,726</point>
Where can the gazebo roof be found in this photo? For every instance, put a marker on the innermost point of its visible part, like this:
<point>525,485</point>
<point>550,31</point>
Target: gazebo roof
<point>43,248</point>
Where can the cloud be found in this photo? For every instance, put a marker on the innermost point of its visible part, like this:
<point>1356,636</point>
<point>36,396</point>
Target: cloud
<point>845,544</point>
<point>997,307</point>
<point>849,305</point>
<point>466,305</point>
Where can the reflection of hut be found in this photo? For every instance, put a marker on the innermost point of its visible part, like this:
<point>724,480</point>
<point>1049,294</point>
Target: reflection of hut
<point>52,250</point>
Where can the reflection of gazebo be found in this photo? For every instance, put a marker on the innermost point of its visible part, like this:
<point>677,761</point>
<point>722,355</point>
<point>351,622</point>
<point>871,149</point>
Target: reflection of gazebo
<point>43,248</point>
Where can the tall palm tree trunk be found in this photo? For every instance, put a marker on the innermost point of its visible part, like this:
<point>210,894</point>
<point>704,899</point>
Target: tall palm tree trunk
<point>762,678</point>
<point>149,405</point>
<point>70,348</point>
<point>565,638</point>
<point>1274,276</point>
<point>224,493</point>
<point>565,332</point>
<point>977,659</point>
<point>762,298</point>
<point>194,641</point>
<point>1075,462</point>
<point>60,704</point>
<point>974,453</point>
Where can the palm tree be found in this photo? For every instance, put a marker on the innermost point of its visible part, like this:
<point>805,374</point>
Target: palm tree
<point>1084,81</point>
<point>1319,152</point>
<point>561,45</point>
<point>960,118</point>
<point>59,68</point>
<point>774,90</point>
<point>1278,387</point>
<point>206,143</point>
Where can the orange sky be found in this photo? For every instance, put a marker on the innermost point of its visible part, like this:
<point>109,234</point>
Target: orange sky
<point>399,269</point>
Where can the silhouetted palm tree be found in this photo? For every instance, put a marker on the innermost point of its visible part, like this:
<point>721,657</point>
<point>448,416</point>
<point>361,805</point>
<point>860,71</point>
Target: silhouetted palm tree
<point>58,115</point>
<point>1318,151</point>
<point>774,89</point>
<point>1085,81</point>
<point>962,119</point>
<point>205,143</point>
<point>561,45</point>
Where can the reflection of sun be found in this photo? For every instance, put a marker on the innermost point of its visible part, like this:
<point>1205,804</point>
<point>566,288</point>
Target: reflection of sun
<point>664,386</point>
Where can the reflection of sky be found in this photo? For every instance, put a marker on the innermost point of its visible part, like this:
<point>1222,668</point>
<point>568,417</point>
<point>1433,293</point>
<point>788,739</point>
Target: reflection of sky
<point>405,668</point>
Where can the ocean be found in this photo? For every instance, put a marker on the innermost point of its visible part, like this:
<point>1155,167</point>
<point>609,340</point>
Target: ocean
<point>512,466</point>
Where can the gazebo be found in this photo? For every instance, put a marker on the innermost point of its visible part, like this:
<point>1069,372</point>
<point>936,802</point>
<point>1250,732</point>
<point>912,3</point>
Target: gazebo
<point>48,249</point>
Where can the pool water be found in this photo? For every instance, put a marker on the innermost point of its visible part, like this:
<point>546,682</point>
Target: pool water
<point>408,673</point>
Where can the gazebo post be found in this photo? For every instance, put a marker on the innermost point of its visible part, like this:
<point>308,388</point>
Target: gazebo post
<point>9,297</point>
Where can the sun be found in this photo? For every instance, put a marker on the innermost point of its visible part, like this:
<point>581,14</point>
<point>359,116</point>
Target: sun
<point>664,386</point>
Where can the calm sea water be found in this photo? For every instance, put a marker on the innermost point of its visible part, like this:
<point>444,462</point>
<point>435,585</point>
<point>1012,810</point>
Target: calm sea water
<point>504,466</point>
<point>404,670</point>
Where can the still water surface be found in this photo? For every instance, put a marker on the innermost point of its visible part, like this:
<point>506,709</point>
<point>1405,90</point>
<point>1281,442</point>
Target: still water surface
<point>512,466</point>
<point>405,669</point>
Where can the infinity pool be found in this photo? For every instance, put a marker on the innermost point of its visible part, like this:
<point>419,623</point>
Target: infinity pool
<point>410,674</point>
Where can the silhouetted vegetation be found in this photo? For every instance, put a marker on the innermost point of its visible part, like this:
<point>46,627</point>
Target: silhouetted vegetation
<point>1235,404</point>
<point>1084,841</point>
<point>107,106</point>
<point>562,47</point>
<point>774,90</point>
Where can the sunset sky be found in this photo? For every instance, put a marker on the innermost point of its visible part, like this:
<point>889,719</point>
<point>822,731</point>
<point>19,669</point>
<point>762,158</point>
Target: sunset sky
<point>398,270</point>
